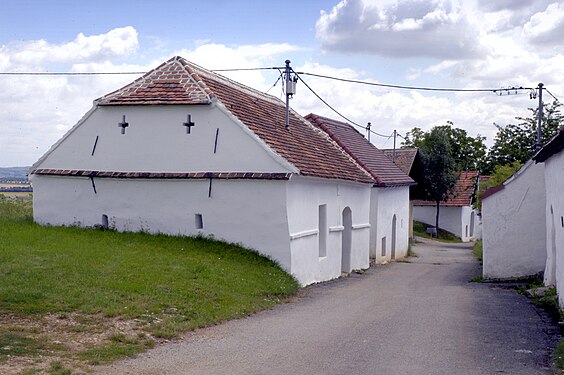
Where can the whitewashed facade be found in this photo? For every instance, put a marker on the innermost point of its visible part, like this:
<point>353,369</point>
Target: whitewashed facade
<point>513,214</point>
<point>388,203</point>
<point>219,177</point>
<point>389,218</point>
<point>462,221</point>
<point>552,155</point>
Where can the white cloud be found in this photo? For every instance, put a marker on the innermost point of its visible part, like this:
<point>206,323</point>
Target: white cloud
<point>38,110</point>
<point>219,56</point>
<point>401,110</point>
<point>547,27</point>
<point>412,28</point>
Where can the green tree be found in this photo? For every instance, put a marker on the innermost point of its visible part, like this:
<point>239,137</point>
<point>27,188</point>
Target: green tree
<point>517,142</point>
<point>468,152</point>
<point>439,167</point>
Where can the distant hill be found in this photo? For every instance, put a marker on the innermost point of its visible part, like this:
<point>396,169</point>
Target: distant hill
<point>13,174</point>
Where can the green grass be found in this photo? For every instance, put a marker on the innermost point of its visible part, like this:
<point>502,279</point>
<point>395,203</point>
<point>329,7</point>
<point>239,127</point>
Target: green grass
<point>170,284</point>
<point>477,250</point>
<point>443,236</point>
<point>559,356</point>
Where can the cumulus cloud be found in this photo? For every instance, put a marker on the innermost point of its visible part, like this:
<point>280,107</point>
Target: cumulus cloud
<point>412,28</point>
<point>220,56</point>
<point>391,109</point>
<point>498,5</point>
<point>38,110</point>
<point>546,27</point>
<point>116,43</point>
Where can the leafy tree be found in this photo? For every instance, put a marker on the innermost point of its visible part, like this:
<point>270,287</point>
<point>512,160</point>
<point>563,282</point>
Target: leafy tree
<point>468,152</point>
<point>439,167</point>
<point>413,138</point>
<point>517,142</point>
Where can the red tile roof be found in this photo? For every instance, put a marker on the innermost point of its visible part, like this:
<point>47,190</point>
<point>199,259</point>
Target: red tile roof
<point>178,81</point>
<point>384,171</point>
<point>404,157</point>
<point>170,83</point>
<point>463,192</point>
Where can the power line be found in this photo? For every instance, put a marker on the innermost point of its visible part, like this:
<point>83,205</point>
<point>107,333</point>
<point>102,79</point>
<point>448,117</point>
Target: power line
<point>276,82</point>
<point>555,98</point>
<point>66,73</point>
<point>334,110</point>
<point>246,69</point>
<point>419,88</point>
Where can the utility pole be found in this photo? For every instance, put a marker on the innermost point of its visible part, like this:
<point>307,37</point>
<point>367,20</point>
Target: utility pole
<point>539,125</point>
<point>290,90</point>
<point>394,151</point>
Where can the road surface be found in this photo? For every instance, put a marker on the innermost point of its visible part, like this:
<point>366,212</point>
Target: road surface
<point>422,316</point>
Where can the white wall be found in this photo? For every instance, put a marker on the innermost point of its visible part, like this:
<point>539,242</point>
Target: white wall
<point>157,141</point>
<point>250,212</point>
<point>304,197</point>
<point>514,239</point>
<point>449,217</point>
<point>453,219</point>
<point>384,204</point>
<point>554,175</point>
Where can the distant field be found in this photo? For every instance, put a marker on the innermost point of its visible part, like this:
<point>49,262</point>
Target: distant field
<point>12,185</point>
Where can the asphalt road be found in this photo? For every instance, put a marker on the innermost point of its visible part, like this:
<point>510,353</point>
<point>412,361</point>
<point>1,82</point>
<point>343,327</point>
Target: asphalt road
<point>421,317</point>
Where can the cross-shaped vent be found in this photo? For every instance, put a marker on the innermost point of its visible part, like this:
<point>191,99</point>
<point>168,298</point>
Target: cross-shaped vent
<point>188,124</point>
<point>123,124</point>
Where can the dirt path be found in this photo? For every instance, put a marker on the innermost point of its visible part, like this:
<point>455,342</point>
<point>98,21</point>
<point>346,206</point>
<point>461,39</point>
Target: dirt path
<point>421,317</point>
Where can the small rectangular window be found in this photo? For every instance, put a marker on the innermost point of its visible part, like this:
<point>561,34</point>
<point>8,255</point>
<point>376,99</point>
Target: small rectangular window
<point>384,246</point>
<point>199,221</point>
<point>323,229</point>
<point>105,223</point>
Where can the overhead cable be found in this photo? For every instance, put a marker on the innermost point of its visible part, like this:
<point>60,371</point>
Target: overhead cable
<point>555,98</point>
<point>419,88</point>
<point>334,110</point>
<point>66,73</point>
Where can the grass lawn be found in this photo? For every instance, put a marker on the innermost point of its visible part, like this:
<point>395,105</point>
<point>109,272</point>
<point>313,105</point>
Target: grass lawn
<point>62,286</point>
<point>443,236</point>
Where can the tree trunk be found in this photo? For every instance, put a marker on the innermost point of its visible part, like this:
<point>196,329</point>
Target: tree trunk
<point>437,219</point>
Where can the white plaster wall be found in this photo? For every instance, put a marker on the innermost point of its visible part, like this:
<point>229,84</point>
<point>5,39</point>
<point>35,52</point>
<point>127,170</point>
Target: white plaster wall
<point>304,197</point>
<point>514,239</point>
<point>450,218</point>
<point>384,204</point>
<point>465,219</point>
<point>554,174</point>
<point>157,141</point>
<point>250,212</point>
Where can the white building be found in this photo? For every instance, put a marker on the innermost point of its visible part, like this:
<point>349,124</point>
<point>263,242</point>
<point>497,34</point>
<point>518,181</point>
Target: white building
<point>186,151</point>
<point>409,161</point>
<point>552,155</point>
<point>513,216</point>
<point>456,215</point>
<point>389,197</point>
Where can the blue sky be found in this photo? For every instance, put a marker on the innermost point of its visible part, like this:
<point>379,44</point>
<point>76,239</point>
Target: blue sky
<point>437,43</point>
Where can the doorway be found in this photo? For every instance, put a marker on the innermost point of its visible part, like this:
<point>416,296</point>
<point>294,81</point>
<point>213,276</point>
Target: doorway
<point>393,249</point>
<point>346,240</point>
